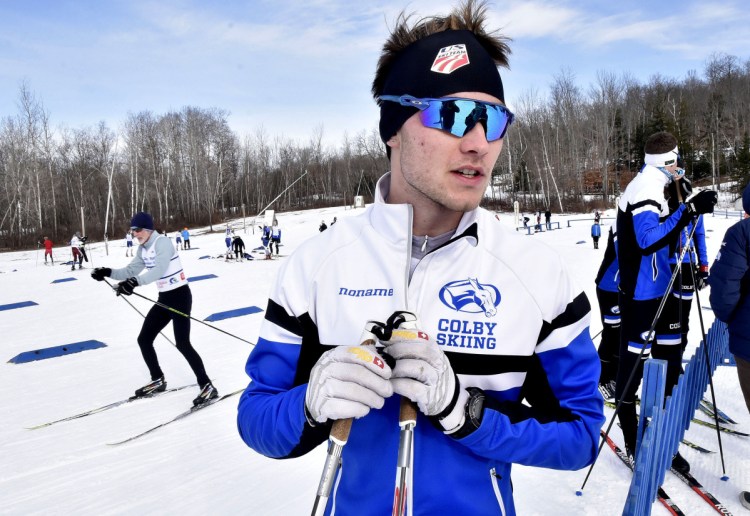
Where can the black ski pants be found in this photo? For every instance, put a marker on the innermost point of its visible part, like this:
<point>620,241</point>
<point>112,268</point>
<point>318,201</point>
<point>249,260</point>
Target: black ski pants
<point>679,305</point>
<point>181,299</point>
<point>609,345</point>
<point>637,318</point>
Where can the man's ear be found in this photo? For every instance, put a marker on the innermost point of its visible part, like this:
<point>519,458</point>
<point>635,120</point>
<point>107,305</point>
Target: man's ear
<point>393,141</point>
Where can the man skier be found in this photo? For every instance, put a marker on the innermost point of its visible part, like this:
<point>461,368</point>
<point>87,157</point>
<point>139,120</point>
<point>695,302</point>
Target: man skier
<point>157,255</point>
<point>501,319</point>
<point>643,241</point>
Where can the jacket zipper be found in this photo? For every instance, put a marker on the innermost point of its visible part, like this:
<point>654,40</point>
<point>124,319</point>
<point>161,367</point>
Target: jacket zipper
<point>408,256</point>
<point>495,487</point>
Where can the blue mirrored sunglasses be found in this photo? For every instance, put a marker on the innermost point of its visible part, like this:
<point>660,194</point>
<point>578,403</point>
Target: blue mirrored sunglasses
<point>458,116</point>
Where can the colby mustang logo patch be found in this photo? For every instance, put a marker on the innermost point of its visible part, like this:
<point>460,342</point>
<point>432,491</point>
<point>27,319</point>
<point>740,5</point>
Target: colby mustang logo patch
<point>470,296</point>
<point>450,59</point>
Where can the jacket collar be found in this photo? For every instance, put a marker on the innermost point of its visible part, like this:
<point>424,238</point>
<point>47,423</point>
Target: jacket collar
<point>394,221</point>
<point>655,174</point>
<point>150,242</point>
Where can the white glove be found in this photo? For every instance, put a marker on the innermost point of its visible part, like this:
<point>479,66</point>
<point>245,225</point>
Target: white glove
<point>347,382</point>
<point>424,375</point>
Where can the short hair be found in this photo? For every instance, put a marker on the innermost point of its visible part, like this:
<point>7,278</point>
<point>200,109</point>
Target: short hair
<point>661,142</point>
<point>470,15</point>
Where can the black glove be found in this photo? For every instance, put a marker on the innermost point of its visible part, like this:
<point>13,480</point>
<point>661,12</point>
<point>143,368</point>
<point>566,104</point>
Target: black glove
<point>702,202</point>
<point>126,287</point>
<point>701,277</point>
<point>100,273</point>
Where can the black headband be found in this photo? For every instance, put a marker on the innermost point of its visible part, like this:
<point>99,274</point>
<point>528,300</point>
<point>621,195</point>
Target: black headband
<point>439,65</point>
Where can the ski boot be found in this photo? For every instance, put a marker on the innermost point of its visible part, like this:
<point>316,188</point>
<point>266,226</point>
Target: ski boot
<point>607,390</point>
<point>158,385</point>
<point>679,464</point>
<point>208,392</point>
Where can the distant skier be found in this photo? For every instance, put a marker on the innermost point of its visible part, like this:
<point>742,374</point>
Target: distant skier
<point>596,232</point>
<point>185,239</point>
<point>266,241</point>
<point>48,251</point>
<point>158,257</point>
<point>128,244</point>
<point>239,248</point>
<point>275,236</point>
<point>75,248</point>
<point>82,246</point>
<point>323,226</point>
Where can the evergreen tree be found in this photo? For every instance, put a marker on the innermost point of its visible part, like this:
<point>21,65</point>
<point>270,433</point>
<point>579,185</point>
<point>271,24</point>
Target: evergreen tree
<point>742,164</point>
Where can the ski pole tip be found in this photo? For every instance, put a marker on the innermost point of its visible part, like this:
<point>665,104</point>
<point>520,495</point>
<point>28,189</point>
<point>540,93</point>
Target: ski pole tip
<point>725,478</point>
<point>579,493</point>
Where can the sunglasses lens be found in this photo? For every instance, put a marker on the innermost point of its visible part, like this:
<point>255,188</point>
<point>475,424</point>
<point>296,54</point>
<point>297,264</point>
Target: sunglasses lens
<point>458,117</point>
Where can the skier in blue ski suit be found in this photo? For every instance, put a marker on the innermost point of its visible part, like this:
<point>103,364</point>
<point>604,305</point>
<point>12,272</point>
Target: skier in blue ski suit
<point>607,296</point>
<point>645,230</point>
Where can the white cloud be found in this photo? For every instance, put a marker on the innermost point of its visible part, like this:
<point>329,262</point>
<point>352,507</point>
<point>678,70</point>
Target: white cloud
<point>692,27</point>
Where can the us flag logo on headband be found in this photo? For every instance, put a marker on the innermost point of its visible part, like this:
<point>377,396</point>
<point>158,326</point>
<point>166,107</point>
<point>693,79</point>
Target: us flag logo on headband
<point>450,59</point>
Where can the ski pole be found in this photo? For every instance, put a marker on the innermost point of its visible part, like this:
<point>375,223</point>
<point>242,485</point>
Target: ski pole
<point>650,337</point>
<point>162,305</point>
<point>710,378</point>
<point>337,440</point>
<point>139,313</point>
<point>407,420</point>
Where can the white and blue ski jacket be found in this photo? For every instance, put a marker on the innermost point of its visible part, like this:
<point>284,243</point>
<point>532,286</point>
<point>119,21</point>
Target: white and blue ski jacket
<point>644,235</point>
<point>503,309</point>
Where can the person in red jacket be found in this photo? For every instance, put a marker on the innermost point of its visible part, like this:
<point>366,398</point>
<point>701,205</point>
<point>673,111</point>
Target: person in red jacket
<point>48,251</point>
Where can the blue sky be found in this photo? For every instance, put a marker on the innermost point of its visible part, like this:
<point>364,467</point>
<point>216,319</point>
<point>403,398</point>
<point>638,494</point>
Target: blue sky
<point>295,67</point>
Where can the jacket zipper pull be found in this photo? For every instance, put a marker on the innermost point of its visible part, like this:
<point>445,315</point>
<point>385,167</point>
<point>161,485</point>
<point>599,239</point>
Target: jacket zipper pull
<point>424,244</point>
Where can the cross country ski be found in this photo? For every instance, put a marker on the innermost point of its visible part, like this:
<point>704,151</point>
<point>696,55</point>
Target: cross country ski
<point>108,406</point>
<point>690,480</point>
<point>661,495</point>
<point>183,415</point>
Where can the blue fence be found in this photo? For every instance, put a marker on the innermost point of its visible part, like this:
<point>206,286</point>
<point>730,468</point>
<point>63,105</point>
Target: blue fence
<point>667,423</point>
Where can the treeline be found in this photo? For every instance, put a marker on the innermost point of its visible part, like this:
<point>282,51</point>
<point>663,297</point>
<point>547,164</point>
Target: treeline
<point>575,149</point>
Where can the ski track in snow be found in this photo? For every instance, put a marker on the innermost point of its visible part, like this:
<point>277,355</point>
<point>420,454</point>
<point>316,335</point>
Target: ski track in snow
<point>200,465</point>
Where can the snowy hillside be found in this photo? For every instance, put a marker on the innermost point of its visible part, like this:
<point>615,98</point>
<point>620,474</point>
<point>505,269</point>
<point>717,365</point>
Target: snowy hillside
<point>199,465</point>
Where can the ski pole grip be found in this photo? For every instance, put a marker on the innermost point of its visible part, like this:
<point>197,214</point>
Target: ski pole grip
<point>340,430</point>
<point>407,412</point>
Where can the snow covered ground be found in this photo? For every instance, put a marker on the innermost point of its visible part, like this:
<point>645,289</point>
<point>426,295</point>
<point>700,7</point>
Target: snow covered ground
<point>200,465</point>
